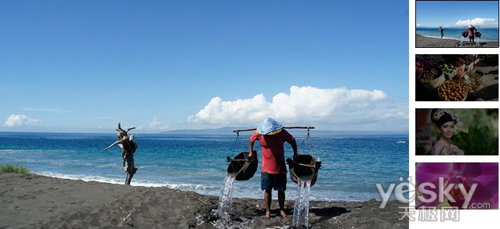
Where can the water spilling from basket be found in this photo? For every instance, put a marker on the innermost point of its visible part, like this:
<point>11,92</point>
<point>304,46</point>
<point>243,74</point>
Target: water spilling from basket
<point>226,198</point>
<point>222,217</point>
<point>301,208</point>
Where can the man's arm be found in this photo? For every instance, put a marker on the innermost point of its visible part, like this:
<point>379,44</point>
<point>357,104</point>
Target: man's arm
<point>291,140</point>
<point>293,143</point>
<point>250,148</point>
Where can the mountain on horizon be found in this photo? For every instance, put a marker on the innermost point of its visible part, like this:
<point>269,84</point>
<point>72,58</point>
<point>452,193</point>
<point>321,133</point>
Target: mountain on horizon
<point>221,131</point>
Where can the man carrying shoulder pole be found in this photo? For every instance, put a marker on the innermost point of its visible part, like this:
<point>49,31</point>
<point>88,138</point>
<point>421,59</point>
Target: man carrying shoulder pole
<point>272,138</point>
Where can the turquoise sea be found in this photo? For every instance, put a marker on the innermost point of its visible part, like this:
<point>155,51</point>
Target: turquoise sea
<point>487,34</point>
<point>352,163</point>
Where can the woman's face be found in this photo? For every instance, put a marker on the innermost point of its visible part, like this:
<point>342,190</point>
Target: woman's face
<point>447,129</point>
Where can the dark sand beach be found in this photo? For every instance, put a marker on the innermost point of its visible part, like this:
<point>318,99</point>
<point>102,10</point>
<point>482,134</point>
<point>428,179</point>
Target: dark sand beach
<point>33,201</point>
<point>429,42</point>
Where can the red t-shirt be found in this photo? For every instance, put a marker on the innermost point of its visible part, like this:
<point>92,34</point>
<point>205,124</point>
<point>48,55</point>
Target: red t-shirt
<point>273,152</point>
<point>471,31</point>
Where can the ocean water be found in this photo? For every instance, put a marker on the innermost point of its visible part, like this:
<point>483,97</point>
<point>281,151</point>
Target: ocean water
<point>351,164</point>
<point>487,34</point>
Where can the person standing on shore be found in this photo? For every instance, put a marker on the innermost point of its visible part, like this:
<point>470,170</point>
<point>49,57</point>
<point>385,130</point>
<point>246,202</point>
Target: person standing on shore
<point>272,138</point>
<point>472,31</point>
<point>129,146</point>
<point>442,31</point>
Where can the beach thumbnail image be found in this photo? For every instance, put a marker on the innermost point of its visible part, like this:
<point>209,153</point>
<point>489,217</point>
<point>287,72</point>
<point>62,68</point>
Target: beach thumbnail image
<point>456,77</point>
<point>456,131</point>
<point>457,185</point>
<point>451,24</point>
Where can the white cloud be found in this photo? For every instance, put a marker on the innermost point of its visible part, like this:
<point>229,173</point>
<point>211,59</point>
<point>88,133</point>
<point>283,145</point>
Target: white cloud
<point>485,22</point>
<point>333,108</point>
<point>20,120</point>
<point>156,125</point>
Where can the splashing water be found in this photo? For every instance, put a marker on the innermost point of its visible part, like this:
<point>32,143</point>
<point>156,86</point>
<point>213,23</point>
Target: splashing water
<point>301,208</point>
<point>222,217</point>
<point>226,198</point>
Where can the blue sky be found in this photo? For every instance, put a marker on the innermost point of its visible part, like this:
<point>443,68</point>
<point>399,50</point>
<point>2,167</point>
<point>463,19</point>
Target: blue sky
<point>83,66</point>
<point>457,13</point>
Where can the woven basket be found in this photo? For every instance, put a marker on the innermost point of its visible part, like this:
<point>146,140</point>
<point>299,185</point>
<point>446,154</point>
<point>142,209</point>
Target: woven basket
<point>435,83</point>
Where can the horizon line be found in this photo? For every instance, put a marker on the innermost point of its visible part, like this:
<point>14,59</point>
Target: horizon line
<point>53,132</point>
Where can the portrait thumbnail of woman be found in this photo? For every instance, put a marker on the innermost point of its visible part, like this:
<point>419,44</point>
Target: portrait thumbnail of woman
<point>445,122</point>
<point>456,131</point>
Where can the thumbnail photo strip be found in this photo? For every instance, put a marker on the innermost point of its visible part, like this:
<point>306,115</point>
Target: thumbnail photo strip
<point>456,111</point>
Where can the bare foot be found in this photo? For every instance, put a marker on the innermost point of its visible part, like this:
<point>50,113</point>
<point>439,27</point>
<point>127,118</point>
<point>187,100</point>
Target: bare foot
<point>268,214</point>
<point>282,213</point>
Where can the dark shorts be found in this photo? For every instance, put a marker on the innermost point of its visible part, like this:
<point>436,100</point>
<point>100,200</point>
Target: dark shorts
<point>276,181</point>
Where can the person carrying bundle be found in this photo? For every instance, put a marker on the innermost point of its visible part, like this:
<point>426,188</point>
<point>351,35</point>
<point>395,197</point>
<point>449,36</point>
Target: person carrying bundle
<point>129,146</point>
<point>472,31</point>
<point>272,138</point>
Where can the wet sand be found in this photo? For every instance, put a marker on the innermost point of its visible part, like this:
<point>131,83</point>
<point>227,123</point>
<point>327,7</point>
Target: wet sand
<point>32,201</point>
<point>428,42</point>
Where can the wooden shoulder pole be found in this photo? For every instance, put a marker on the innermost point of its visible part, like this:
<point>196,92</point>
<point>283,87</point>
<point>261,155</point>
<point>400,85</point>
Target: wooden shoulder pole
<point>285,127</point>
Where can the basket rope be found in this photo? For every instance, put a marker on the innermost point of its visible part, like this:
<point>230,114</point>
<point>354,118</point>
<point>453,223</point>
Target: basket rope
<point>311,165</point>
<point>234,149</point>
<point>307,137</point>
